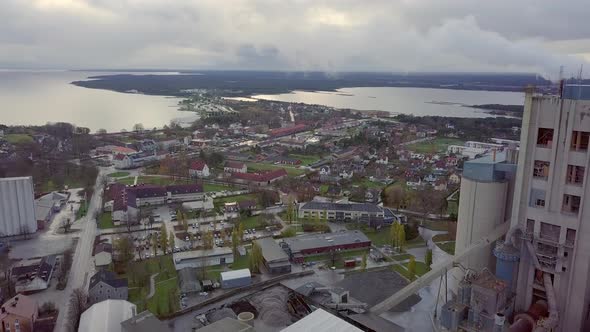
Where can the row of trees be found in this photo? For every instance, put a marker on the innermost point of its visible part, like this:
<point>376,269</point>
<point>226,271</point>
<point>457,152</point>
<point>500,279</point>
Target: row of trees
<point>397,235</point>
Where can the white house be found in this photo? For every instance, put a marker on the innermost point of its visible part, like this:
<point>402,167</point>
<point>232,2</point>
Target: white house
<point>198,169</point>
<point>325,170</point>
<point>383,159</point>
<point>344,174</point>
<point>103,255</point>
<point>235,167</point>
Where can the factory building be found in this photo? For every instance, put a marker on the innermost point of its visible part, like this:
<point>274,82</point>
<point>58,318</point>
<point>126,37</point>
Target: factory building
<point>17,206</point>
<point>544,261</point>
<point>307,245</point>
<point>273,256</point>
<point>549,214</point>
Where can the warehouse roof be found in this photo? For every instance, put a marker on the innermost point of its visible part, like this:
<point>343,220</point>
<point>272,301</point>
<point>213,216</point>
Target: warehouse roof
<point>236,274</point>
<point>304,242</point>
<point>360,207</point>
<point>271,251</point>
<point>321,320</point>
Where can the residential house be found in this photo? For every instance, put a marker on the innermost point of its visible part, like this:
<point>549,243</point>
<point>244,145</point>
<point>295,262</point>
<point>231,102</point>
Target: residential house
<point>454,178</point>
<point>440,185</point>
<point>19,314</point>
<point>105,285</point>
<point>234,167</point>
<point>383,159</point>
<point>198,169</point>
<point>414,182</point>
<point>430,178</point>
<point>103,255</point>
<point>47,206</point>
<point>33,275</point>
<point>247,205</point>
<point>373,195</point>
<point>325,170</point>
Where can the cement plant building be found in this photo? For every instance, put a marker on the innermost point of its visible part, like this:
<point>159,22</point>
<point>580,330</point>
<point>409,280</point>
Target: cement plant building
<point>17,206</point>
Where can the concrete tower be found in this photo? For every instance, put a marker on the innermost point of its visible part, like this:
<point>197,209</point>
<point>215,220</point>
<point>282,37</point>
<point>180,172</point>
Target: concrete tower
<point>550,213</point>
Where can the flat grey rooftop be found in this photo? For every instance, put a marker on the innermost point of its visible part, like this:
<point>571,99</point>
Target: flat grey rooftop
<point>375,286</point>
<point>304,242</point>
<point>271,251</point>
<point>357,207</point>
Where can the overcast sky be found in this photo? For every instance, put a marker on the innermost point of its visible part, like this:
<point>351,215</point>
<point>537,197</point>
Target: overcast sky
<point>374,35</point>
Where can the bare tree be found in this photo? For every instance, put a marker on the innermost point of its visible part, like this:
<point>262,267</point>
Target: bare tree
<point>125,249</point>
<point>78,303</point>
<point>66,224</point>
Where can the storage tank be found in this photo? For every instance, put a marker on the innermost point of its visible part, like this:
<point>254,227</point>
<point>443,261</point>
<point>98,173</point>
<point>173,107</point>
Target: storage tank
<point>482,205</point>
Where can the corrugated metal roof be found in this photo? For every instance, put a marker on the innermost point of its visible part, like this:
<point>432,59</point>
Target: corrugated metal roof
<point>236,274</point>
<point>321,320</point>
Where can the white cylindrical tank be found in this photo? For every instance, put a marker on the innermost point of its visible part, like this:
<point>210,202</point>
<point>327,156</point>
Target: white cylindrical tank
<point>481,209</point>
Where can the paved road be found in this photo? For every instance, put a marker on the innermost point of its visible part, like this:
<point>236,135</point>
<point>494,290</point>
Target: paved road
<point>82,265</point>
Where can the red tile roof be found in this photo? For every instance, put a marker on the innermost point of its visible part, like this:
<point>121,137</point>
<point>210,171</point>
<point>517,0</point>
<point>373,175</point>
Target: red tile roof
<point>198,165</point>
<point>234,164</point>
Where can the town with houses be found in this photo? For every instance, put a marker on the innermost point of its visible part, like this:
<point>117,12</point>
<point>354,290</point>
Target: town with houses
<point>245,220</point>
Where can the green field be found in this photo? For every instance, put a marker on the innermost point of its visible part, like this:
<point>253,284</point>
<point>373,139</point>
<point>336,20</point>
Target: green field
<point>421,268</point>
<point>306,159</point>
<point>448,247</point>
<point>118,174</point>
<point>433,146</point>
<point>369,184</point>
<point>291,171</point>
<point>105,221</point>
<point>378,238</point>
<point>251,222</point>
<point>401,257</point>
<point>241,262</point>
<point>18,138</point>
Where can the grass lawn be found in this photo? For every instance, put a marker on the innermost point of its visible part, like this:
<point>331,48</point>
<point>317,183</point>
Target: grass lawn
<point>105,221</point>
<point>251,222</point>
<point>306,159</point>
<point>238,198</point>
<point>157,180</point>
<point>433,146</point>
<point>369,184</point>
<point>442,238</point>
<point>208,187</point>
<point>378,238</point>
<point>421,268</point>
<point>448,247</point>
<point>401,257</point>
<point>50,186</point>
<point>165,299</point>
<point>291,171</point>
<point>436,225</point>
<point>18,138</point>
<point>118,174</point>
<point>82,210</point>
<point>241,262</point>
<point>324,188</point>
<point>401,270</point>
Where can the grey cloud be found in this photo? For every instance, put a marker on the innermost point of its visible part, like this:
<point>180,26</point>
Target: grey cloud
<point>501,35</point>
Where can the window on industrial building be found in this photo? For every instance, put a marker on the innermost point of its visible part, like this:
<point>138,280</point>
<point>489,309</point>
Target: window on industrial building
<point>580,140</point>
<point>570,237</point>
<point>571,203</point>
<point>545,137</point>
<point>575,174</point>
<point>550,232</point>
<point>541,169</point>
<point>530,227</point>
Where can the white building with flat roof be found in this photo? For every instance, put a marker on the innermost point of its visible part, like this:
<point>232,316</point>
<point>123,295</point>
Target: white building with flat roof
<point>17,206</point>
